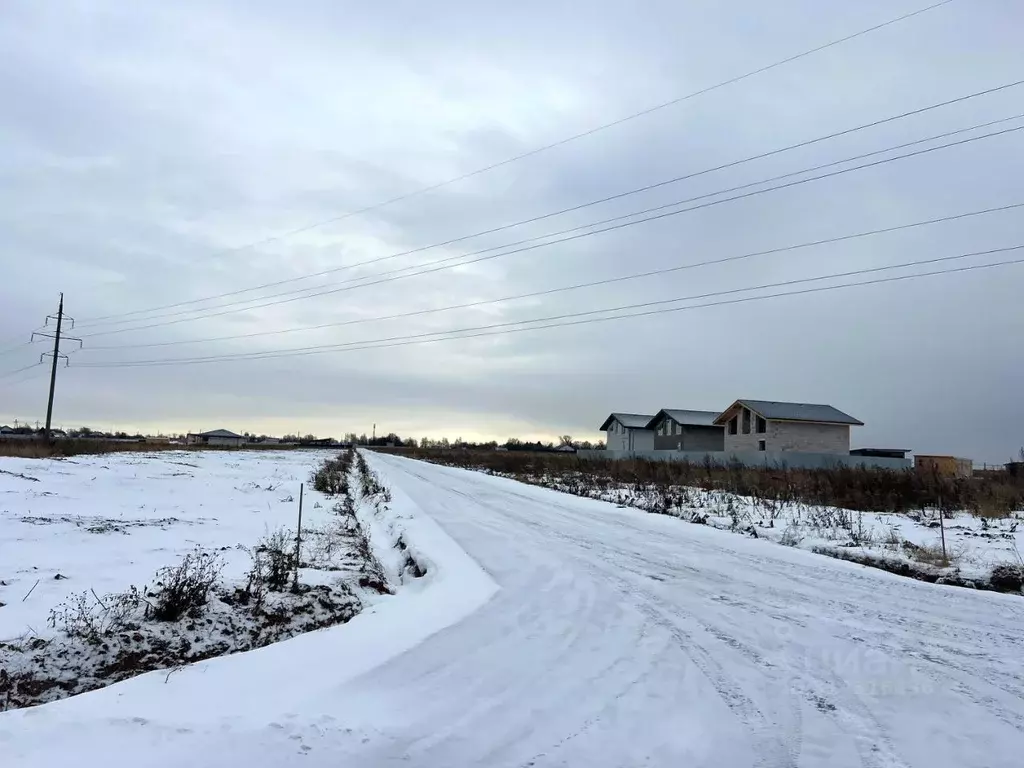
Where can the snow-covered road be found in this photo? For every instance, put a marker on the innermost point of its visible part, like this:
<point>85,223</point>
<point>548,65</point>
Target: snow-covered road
<point>621,638</point>
<point>618,638</point>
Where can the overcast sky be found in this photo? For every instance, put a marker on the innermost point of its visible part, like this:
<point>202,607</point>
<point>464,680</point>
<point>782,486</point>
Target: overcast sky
<point>143,144</point>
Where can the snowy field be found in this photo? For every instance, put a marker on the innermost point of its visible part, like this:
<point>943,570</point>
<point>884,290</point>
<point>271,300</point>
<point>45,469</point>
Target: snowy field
<point>105,522</point>
<point>554,630</point>
<point>974,545</point>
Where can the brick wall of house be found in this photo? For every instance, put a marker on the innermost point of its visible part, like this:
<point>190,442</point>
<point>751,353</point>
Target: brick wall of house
<point>742,442</point>
<point>808,438</point>
<point>801,436</point>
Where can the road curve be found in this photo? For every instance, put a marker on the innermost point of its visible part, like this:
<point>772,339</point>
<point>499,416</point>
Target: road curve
<point>620,638</point>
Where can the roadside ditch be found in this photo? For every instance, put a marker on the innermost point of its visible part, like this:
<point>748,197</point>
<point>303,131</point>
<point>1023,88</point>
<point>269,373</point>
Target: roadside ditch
<point>190,612</point>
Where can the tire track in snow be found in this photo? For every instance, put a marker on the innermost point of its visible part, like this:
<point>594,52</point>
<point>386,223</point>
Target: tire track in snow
<point>798,649</point>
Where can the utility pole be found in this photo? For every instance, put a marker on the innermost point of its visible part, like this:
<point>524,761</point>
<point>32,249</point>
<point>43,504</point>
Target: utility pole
<point>56,336</point>
<point>53,367</point>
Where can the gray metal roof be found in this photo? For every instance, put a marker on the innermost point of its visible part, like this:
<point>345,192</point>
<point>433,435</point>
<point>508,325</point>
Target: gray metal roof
<point>219,433</point>
<point>775,411</point>
<point>686,417</point>
<point>631,420</point>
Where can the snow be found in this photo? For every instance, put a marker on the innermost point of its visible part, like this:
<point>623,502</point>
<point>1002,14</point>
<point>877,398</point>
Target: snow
<point>554,630</point>
<point>974,544</point>
<point>104,522</point>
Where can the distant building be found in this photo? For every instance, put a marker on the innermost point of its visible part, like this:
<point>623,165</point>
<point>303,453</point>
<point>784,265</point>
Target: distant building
<point>683,430</point>
<point>318,442</point>
<point>766,425</point>
<point>881,453</point>
<point>628,432</point>
<point>947,466</point>
<point>222,437</point>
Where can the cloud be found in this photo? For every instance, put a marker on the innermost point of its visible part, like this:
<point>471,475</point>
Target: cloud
<point>143,143</point>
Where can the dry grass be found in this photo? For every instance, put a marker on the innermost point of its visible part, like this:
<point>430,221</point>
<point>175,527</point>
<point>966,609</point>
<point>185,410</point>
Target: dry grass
<point>772,488</point>
<point>40,449</point>
<point>998,498</point>
<point>931,554</point>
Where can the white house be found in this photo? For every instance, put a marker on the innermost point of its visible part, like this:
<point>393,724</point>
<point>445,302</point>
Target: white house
<point>223,437</point>
<point>628,432</point>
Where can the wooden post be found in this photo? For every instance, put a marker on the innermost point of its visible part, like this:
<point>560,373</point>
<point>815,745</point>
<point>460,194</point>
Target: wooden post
<point>942,529</point>
<point>298,542</point>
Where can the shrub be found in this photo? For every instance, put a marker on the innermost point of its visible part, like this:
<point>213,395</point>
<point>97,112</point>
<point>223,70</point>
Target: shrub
<point>892,539</point>
<point>371,485</point>
<point>186,586</point>
<point>791,537</point>
<point>255,591</point>
<point>331,477</point>
<point>1007,577</point>
<point>90,618</point>
<point>277,556</point>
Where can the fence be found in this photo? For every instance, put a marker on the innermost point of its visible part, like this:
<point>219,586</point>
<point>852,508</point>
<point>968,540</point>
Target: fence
<point>792,459</point>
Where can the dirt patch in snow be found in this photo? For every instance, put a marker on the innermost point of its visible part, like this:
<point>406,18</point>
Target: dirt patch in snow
<point>104,524</point>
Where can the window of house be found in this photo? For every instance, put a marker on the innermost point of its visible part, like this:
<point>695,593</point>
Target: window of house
<point>733,423</point>
<point>762,426</point>
<point>746,422</point>
<point>675,428</point>
<point>762,445</point>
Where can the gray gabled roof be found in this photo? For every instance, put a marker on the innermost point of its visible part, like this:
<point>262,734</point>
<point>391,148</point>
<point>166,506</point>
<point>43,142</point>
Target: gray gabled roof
<point>220,433</point>
<point>776,411</point>
<point>685,417</point>
<point>630,420</point>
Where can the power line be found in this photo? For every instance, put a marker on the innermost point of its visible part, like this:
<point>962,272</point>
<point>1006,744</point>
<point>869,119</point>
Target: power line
<point>11,379</point>
<point>507,326</point>
<point>576,286</point>
<point>446,263</point>
<point>302,293</point>
<point>584,134</point>
<point>571,209</point>
<point>15,348</point>
<point>20,370</point>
